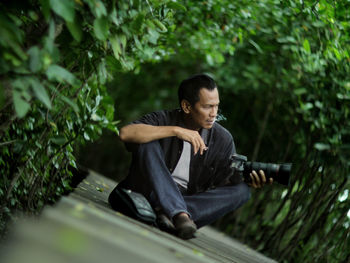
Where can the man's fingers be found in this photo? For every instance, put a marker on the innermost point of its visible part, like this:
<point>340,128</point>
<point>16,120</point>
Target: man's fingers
<point>258,181</point>
<point>263,177</point>
<point>203,147</point>
<point>194,138</point>
<point>201,150</point>
<point>195,147</point>
<point>255,179</point>
<point>252,181</point>
<point>199,145</point>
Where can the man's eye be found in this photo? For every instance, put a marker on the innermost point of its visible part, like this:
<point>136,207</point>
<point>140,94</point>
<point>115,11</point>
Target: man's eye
<point>211,106</point>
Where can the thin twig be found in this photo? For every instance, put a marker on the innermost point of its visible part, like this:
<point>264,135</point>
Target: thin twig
<point>6,143</point>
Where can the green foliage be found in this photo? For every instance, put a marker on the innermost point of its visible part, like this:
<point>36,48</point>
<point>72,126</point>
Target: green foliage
<point>290,74</point>
<point>55,60</point>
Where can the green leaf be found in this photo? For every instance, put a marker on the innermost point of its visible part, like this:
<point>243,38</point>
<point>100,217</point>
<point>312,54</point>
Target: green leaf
<point>153,36</point>
<point>21,105</point>
<point>55,72</point>
<point>34,59</point>
<point>160,25</point>
<point>306,45</point>
<point>97,8</point>
<point>209,59</point>
<point>45,8</point>
<point>337,54</point>
<point>59,140</point>
<point>319,104</point>
<point>137,43</point>
<point>127,63</point>
<point>150,24</point>
<point>113,128</point>
<point>300,91</point>
<point>40,92</point>
<point>86,136</point>
<point>100,9</point>
<point>122,39</point>
<point>137,23</point>
<point>307,106</point>
<point>258,48</point>
<point>322,146</point>
<point>115,46</point>
<point>101,28</point>
<point>21,96</point>
<point>52,29</point>
<point>75,30</point>
<point>219,58</point>
<point>176,6</point>
<point>102,72</point>
<point>64,8</point>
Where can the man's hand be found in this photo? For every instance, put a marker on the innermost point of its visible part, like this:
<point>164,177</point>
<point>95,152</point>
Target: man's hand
<point>192,137</point>
<point>258,181</point>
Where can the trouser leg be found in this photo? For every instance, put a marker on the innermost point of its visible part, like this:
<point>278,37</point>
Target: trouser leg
<point>164,192</point>
<point>209,206</point>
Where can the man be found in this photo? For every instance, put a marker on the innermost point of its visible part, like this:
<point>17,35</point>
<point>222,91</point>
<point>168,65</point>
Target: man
<point>181,161</point>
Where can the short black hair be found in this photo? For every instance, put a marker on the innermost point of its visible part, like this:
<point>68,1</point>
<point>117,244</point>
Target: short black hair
<point>189,88</point>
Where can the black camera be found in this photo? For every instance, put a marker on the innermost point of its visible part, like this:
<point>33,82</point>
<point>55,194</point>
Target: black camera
<point>279,172</point>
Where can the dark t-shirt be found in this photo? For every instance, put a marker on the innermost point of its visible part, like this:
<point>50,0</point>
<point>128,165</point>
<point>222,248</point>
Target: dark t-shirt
<point>207,171</point>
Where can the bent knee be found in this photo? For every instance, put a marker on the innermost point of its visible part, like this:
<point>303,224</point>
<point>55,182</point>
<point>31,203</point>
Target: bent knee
<point>149,147</point>
<point>245,192</point>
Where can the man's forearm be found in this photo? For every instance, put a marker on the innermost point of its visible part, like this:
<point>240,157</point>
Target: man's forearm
<point>143,133</point>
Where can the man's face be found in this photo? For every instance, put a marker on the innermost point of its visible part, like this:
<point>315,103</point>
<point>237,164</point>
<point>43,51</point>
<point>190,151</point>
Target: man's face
<point>204,112</point>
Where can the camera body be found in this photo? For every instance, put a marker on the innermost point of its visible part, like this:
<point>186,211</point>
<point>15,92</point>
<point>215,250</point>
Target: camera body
<point>279,172</point>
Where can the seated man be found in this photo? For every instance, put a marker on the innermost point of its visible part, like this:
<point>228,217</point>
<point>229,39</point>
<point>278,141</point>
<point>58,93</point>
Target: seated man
<point>181,161</point>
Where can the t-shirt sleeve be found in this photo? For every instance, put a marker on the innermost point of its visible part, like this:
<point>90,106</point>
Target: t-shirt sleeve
<point>158,118</point>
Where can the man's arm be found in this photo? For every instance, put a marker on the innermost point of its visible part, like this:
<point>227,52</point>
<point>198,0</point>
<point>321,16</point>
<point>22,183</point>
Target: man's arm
<point>143,133</point>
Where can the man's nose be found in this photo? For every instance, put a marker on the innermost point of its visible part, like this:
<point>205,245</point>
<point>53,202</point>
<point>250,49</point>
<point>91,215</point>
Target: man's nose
<point>213,112</point>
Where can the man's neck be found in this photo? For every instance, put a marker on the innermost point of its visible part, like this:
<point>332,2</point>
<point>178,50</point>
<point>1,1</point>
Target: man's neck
<point>188,121</point>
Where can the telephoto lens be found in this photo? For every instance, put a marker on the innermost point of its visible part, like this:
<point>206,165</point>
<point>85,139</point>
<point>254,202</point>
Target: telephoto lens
<point>280,173</point>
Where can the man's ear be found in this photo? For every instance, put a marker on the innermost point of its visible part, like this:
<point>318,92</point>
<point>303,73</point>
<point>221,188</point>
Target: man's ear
<point>186,106</point>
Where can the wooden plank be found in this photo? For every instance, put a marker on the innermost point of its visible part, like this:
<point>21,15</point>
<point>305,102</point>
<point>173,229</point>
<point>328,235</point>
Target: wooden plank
<point>83,228</point>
